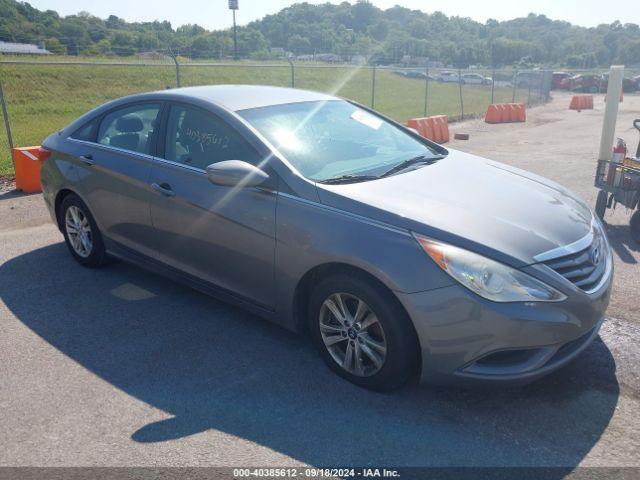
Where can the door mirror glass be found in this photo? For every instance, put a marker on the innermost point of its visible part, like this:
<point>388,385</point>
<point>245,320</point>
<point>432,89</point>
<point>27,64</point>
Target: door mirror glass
<point>235,173</point>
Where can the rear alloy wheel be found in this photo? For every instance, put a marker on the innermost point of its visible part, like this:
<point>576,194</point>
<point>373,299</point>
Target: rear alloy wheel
<point>362,332</point>
<point>78,231</point>
<point>81,233</point>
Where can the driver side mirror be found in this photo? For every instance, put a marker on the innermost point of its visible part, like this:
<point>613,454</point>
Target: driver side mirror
<point>235,173</point>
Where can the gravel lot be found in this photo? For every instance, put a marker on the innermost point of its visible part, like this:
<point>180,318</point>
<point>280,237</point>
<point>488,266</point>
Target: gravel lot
<point>119,367</point>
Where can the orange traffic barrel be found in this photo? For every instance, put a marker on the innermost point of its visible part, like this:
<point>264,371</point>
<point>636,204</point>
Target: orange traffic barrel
<point>581,102</point>
<point>27,162</point>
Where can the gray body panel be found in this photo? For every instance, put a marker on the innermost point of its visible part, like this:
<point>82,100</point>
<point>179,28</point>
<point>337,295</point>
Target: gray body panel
<point>504,212</point>
<point>222,235</point>
<point>117,187</point>
<point>254,245</point>
<point>456,327</point>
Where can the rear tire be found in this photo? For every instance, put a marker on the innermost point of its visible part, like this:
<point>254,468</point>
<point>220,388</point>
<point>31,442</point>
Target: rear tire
<point>601,204</point>
<point>384,347</point>
<point>635,226</point>
<point>81,234</point>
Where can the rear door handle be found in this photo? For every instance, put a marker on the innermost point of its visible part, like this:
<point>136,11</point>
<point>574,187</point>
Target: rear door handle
<point>87,159</point>
<point>164,189</point>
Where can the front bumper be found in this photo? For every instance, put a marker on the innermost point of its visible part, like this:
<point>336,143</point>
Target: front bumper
<point>465,339</point>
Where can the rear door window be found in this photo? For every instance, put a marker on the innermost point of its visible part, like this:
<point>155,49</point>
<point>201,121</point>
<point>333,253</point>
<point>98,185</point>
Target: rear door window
<point>131,128</point>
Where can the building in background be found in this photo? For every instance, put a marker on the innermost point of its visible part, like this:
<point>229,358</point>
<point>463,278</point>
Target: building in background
<point>10,48</point>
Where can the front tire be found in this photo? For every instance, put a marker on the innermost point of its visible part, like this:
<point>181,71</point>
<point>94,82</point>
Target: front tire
<point>601,204</point>
<point>362,332</point>
<point>635,226</point>
<point>81,234</point>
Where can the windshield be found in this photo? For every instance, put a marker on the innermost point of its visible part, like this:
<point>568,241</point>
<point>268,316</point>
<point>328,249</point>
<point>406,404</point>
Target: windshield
<point>329,139</point>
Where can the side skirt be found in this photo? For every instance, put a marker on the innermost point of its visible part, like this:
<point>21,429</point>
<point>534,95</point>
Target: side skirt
<point>128,255</point>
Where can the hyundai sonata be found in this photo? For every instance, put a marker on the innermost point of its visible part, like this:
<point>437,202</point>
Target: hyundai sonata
<point>400,258</point>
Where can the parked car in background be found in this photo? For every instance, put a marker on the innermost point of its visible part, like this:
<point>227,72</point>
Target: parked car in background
<point>584,82</point>
<point>476,79</point>
<point>402,73</point>
<point>527,79</point>
<point>413,74</point>
<point>565,83</point>
<point>448,77</point>
<point>401,258</point>
<point>636,81</point>
<point>557,80</point>
<point>628,84</point>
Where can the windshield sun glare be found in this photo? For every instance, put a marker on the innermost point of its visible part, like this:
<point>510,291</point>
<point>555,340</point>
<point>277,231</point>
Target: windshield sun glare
<point>334,139</point>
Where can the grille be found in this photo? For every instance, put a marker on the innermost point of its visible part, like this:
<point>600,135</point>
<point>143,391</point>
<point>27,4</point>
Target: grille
<point>584,268</point>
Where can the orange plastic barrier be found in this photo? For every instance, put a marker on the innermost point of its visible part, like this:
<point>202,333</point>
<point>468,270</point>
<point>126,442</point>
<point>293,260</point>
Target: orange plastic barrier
<point>27,162</point>
<point>435,128</point>
<point>581,102</point>
<point>506,113</point>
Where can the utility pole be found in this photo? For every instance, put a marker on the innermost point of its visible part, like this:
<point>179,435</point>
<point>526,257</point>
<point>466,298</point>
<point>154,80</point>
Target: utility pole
<point>233,6</point>
<point>174,57</point>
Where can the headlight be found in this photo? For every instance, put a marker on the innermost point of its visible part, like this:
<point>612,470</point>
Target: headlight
<point>489,279</point>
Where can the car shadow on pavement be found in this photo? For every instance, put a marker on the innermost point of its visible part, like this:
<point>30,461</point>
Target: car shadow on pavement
<point>620,239</point>
<point>9,194</point>
<point>213,366</point>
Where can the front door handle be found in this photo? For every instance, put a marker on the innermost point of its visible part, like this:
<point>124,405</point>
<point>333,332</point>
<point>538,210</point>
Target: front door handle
<point>87,159</point>
<point>164,189</point>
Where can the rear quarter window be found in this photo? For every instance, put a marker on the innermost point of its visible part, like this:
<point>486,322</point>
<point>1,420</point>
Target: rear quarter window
<point>86,132</point>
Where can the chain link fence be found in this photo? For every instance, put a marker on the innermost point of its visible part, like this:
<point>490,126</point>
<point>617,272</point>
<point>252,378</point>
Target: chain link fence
<point>44,96</point>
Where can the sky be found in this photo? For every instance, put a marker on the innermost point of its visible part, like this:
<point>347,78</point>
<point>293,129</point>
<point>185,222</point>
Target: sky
<point>213,14</point>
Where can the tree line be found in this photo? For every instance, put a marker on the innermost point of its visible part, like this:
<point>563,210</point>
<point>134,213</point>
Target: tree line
<point>381,36</point>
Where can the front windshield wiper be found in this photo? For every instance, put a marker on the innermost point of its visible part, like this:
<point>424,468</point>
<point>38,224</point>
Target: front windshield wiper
<point>351,178</point>
<point>411,161</point>
<point>348,179</point>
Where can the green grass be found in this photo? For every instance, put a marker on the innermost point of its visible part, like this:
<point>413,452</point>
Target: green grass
<point>44,98</point>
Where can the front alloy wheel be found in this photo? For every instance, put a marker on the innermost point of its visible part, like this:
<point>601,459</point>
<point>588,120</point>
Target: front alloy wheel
<point>362,332</point>
<point>352,334</point>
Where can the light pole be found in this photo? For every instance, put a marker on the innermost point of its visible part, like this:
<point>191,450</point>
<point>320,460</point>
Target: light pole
<point>233,6</point>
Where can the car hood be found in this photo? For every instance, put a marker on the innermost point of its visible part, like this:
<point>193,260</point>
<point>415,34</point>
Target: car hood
<point>478,204</point>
